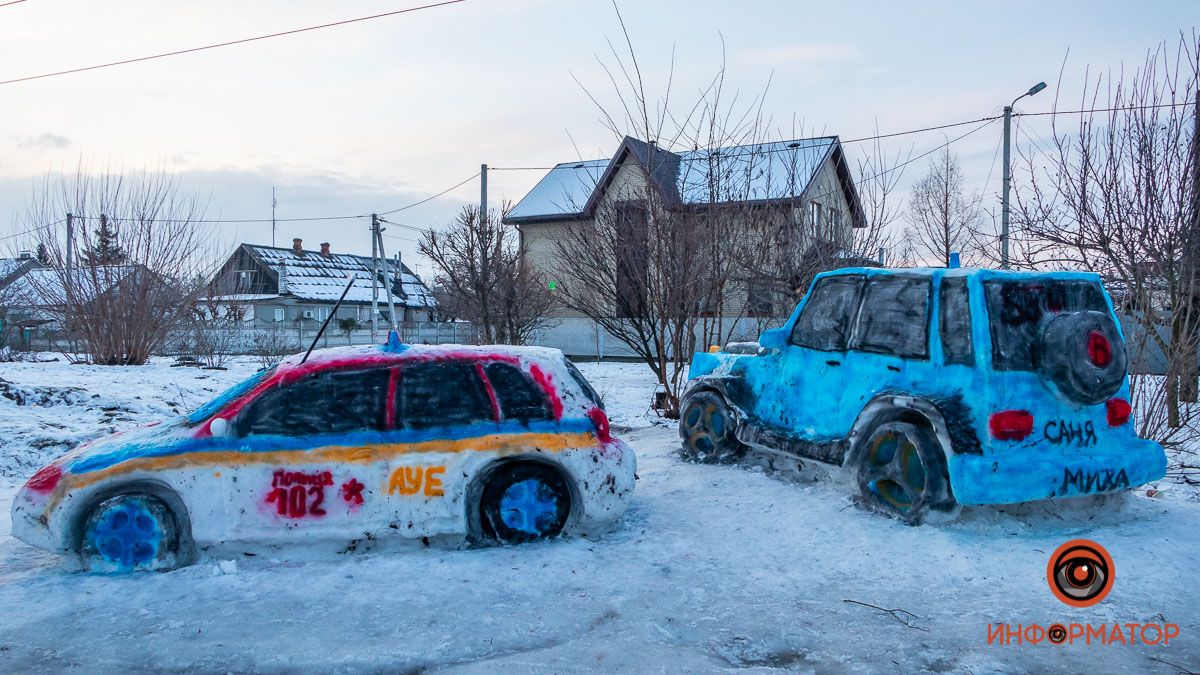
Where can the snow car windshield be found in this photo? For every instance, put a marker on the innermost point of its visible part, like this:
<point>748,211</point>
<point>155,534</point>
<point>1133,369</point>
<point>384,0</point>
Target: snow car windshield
<point>1019,309</point>
<point>209,409</point>
<point>583,384</point>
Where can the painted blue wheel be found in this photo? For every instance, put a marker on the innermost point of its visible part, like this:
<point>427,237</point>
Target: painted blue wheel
<point>525,503</point>
<point>128,533</point>
<point>708,429</point>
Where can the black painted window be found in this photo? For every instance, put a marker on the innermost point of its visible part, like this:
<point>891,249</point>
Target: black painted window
<point>584,384</point>
<point>954,322</point>
<point>520,398</point>
<point>1018,310</point>
<point>828,316</point>
<point>441,394</point>
<point>895,316</point>
<point>320,403</point>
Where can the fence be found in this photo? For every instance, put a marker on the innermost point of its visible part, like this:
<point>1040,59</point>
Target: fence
<point>247,340</point>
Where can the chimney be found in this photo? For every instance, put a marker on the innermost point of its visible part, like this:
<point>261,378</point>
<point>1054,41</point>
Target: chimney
<point>26,255</point>
<point>298,246</point>
<point>325,250</point>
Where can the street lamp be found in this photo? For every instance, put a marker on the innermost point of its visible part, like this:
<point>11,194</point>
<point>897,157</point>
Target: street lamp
<point>1008,172</point>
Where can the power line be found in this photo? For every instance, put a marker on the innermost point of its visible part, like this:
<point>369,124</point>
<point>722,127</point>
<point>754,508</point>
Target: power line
<point>13,2</point>
<point>229,43</point>
<point>33,229</point>
<point>583,164</point>
<point>429,199</point>
<point>1180,104</point>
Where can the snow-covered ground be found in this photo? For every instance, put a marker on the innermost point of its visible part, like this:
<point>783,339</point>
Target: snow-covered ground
<point>712,568</point>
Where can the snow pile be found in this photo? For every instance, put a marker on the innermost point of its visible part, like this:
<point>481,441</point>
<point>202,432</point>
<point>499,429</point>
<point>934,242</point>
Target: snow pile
<point>712,568</point>
<point>47,408</point>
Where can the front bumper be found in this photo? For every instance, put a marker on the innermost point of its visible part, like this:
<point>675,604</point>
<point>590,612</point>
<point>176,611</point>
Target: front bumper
<point>999,479</point>
<point>28,521</point>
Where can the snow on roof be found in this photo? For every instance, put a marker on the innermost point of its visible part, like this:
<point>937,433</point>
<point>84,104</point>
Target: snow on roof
<point>752,173</point>
<point>561,192</point>
<point>10,265</point>
<point>420,351</point>
<point>42,287</point>
<point>311,276</point>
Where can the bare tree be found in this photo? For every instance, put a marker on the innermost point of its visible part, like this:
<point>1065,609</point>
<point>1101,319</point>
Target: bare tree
<point>137,240</point>
<point>706,223</point>
<point>1118,194</point>
<point>941,215</point>
<point>485,278</point>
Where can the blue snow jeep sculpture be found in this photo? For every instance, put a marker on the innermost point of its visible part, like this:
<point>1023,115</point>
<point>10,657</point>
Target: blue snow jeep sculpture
<point>938,387</point>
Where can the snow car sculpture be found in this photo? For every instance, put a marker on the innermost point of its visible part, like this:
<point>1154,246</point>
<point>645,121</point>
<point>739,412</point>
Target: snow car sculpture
<point>937,387</point>
<point>504,444</point>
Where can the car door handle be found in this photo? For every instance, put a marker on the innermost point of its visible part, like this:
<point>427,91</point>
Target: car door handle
<point>895,368</point>
<point>831,362</point>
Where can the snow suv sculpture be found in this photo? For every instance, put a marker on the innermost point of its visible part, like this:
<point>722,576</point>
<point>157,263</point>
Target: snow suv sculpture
<point>937,387</point>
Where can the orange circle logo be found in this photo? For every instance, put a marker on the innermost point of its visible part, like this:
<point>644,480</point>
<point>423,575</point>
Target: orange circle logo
<point>1080,573</point>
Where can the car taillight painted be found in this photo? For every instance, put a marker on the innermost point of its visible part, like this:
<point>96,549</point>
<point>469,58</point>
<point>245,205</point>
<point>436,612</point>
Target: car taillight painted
<point>1099,350</point>
<point>46,479</point>
<point>1117,410</point>
<point>601,421</point>
<point>1011,425</point>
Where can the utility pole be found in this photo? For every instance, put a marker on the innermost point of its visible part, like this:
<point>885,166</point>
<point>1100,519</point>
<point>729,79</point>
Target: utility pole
<point>482,194</point>
<point>1008,172</point>
<point>274,203</point>
<point>387,277</point>
<point>70,242</point>
<point>374,276</point>
<point>1007,187</point>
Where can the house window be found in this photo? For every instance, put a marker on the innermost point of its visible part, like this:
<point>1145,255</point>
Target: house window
<point>632,274</point>
<point>279,314</point>
<point>322,313</point>
<point>759,298</point>
<point>814,214</point>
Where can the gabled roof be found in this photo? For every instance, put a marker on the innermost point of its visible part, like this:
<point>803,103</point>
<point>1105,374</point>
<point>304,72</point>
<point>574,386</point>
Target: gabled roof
<point>11,268</point>
<point>43,286</point>
<point>313,277</point>
<point>758,173</point>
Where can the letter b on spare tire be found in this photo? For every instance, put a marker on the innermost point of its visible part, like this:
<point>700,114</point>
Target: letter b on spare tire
<point>1084,356</point>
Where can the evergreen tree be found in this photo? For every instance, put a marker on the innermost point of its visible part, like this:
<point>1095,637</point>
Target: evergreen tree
<point>105,250</point>
<point>43,256</point>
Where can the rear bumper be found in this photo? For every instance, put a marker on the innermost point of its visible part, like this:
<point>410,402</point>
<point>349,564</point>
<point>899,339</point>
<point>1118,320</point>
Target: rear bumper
<point>997,479</point>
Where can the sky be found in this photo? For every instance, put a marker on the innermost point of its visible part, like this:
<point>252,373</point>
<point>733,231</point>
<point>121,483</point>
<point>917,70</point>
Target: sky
<point>373,116</point>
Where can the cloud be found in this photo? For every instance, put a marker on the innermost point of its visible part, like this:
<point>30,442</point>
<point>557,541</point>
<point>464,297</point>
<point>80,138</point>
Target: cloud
<point>811,54</point>
<point>44,141</point>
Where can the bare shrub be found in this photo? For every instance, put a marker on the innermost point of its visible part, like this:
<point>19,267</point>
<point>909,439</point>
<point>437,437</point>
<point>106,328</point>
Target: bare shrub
<point>486,279</point>
<point>137,238</point>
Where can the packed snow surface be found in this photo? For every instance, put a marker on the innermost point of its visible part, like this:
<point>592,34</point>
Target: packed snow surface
<point>713,568</point>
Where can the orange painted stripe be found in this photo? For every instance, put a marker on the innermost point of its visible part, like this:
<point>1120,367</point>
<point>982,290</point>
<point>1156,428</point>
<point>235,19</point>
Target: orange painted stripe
<point>500,443</point>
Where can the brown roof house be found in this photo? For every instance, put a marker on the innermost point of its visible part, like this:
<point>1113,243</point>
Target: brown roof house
<point>803,185</point>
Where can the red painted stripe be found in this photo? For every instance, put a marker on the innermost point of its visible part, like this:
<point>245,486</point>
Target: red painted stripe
<point>491,392</point>
<point>393,384</point>
<point>547,384</point>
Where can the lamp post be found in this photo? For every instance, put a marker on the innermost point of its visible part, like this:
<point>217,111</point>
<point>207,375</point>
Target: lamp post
<point>1008,172</point>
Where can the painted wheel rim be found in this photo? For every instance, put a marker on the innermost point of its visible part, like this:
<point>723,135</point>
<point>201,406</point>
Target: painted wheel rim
<point>126,534</point>
<point>529,506</point>
<point>704,425</point>
<point>895,472</point>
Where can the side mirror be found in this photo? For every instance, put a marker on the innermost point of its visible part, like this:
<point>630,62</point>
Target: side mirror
<point>218,427</point>
<point>776,338</point>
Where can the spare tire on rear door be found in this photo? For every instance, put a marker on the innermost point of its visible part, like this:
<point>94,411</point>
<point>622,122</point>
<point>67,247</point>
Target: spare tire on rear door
<point>1084,355</point>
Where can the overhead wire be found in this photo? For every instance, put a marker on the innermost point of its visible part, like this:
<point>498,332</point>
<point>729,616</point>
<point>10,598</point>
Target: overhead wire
<point>227,43</point>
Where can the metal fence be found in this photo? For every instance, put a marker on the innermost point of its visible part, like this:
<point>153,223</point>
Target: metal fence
<point>202,340</point>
